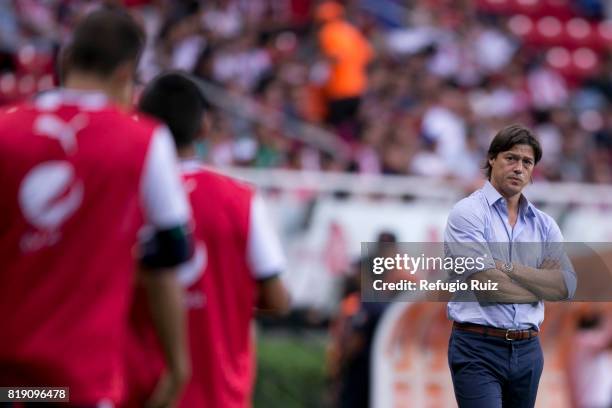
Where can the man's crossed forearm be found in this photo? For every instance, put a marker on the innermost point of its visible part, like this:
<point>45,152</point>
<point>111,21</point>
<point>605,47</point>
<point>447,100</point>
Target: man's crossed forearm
<point>546,281</point>
<point>524,284</point>
<point>507,290</point>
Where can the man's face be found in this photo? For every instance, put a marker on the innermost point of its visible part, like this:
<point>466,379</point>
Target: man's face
<point>511,170</point>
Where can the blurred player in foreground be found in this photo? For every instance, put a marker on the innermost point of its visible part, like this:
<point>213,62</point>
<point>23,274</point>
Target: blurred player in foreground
<point>236,267</point>
<point>79,175</point>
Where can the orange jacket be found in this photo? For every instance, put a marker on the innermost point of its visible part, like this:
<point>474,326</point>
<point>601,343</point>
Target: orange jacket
<point>350,53</point>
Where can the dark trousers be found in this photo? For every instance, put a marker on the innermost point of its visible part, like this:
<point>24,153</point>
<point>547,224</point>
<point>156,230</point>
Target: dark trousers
<point>492,372</point>
<point>342,110</point>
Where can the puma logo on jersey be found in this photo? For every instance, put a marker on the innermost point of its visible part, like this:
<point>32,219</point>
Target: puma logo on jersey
<point>64,132</point>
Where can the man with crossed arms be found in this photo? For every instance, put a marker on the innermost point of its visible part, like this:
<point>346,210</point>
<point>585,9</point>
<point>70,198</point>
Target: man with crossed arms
<point>494,351</point>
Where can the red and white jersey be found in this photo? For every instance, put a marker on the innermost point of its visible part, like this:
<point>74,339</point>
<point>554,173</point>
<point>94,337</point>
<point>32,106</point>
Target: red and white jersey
<point>235,247</point>
<point>78,177</point>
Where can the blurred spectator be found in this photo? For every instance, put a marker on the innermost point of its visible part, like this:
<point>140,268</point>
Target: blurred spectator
<point>348,53</point>
<point>547,88</point>
<point>420,95</point>
<point>444,124</point>
<point>353,331</point>
<point>590,361</point>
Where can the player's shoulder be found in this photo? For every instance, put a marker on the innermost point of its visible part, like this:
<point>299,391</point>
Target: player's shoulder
<point>143,120</point>
<point>15,120</point>
<point>214,178</point>
<point>135,122</point>
<point>14,113</point>
<point>127,127</point>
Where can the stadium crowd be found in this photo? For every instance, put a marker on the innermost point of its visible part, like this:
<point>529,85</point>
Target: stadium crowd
<point>420,93</point>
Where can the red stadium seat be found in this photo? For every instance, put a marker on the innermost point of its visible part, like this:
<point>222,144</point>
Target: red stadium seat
<point>27,85</point>
<point>549,31</point>
<point>495,6</point>
<point>29,61</point>
<point>604,34</point>
<point>527,7</point>
<point>585,61</point>
<point>578,33</point>
<point>521,26</point>
<point>559,58</point>
<point>573,65</point>
<point>560,9</point>
<point>8,87</point>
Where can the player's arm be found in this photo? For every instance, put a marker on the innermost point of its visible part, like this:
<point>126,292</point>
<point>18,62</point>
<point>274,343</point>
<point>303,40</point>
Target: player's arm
<point>266,261</point>
<point>168,245</point>
<point>167,310</point>
<point>273,297</point>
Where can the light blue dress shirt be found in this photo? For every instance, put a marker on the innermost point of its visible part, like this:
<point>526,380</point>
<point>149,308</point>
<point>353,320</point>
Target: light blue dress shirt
<point>482,219</point>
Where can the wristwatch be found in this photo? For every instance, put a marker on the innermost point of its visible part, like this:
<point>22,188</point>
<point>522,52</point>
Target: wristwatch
<point>507,268</point>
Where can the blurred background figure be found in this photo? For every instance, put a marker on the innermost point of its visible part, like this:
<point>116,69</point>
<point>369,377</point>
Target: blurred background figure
<point>590,359</point>
<point>235,270</point>
<point>347,53</point>
<point>352,330</point>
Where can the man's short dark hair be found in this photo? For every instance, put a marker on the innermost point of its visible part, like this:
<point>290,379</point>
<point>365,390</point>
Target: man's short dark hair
<point>104,40</point>
<point>175,99</point>
<point>507,138</point>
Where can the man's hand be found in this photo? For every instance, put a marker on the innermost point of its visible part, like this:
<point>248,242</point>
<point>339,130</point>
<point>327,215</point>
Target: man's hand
<point>550,264</point>
<point>169,388</point>
<point>168,315</point>
<point>273,297</point>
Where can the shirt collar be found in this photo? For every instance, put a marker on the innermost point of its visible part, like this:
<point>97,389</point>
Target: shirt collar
<point>493,196</point>
<point>490,193</point>
<point>87,100</point>
<point>528,207</point>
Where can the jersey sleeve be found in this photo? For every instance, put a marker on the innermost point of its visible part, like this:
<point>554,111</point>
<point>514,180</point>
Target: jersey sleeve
<point>164,198</point>
<point>264,250</point>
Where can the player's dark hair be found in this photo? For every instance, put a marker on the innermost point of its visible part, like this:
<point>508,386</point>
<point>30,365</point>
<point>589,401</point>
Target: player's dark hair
<point>175,99</point>
<point>104,40</point>
<point>506,139</point>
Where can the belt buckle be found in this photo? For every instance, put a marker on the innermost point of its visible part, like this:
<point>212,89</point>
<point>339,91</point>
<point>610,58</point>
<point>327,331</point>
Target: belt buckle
<point>507,333</point>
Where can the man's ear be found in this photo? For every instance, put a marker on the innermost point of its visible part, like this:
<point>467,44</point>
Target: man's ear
<point>207,124</point>
<point>205,127</point>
